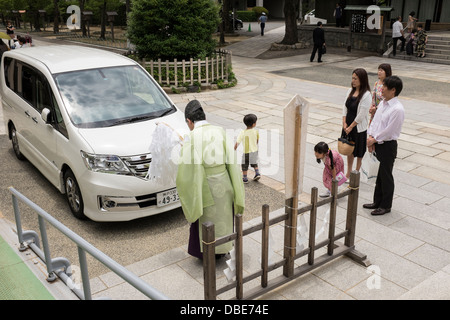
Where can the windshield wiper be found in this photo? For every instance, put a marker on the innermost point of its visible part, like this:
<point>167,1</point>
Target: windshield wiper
<point>130,120</point>
<point>166,112</point>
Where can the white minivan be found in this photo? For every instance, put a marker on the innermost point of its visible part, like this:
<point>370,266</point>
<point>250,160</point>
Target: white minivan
<point>84,118</point>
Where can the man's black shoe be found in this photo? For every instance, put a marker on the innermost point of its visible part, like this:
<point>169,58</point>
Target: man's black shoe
<point>370,206</point>
<point>380,212</point>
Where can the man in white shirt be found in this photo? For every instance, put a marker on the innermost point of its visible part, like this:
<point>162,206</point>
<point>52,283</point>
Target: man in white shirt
<point>397,33</point>
<point>382,134</point>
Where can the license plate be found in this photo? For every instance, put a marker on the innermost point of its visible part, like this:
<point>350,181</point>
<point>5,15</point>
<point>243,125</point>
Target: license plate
<point>167,197</point>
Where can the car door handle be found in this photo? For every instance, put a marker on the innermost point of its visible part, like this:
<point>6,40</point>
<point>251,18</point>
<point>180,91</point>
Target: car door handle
<point>27,113</point>
<point>35,119</point>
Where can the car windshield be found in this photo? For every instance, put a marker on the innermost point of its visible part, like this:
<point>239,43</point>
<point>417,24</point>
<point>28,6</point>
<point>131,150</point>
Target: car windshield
<point>111,96</point>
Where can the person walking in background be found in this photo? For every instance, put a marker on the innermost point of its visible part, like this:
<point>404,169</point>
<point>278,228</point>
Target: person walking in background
<point>334,166</point>
<point>422,39</point>
<point>410,43</point>
<point>319,42</point>
<point>10,32</point>
<point>249,138</point>
<point>398,34</point>
<point>382,138</point>
<point>384,71</point>
<point>209,181</point>
<point>411,22</point>
<point>338,14</point>
<point>262,22</point>
<point>355,116</point>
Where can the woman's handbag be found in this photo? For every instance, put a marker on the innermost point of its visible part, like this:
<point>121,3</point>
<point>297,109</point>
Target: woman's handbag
<point>341,178</point>
<point>324,49</point>
<point>345,145</point>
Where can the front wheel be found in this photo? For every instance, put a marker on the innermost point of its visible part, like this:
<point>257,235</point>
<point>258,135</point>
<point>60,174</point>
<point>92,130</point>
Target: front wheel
<point>15,144</point>
<point>73,195</point>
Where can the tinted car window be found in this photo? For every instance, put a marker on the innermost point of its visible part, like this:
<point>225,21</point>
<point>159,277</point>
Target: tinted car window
<point>111,96</point>
<point>9,72</point>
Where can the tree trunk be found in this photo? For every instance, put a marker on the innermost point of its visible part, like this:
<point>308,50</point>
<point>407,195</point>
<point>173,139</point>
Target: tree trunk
<point>56,18</point>
<point>226,16</point>
<point>103,21</point>
<point>82,22</point>
<point>290,13</point>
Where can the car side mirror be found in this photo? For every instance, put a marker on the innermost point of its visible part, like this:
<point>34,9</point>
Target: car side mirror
<point>45,115</point>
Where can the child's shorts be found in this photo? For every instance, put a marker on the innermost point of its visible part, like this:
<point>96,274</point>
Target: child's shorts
<point>249,159</point>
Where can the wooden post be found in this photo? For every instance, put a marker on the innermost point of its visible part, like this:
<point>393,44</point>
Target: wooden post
<point>352,208</point>
<point>221,66</point>
<point>217,67</point>
<point>291,239</point>
<point>333,205</point>
<point>199,71</point>
<point>350,226</point>
<point>207,70</point>
<point>192,70</point>
<point>159,71</point>
<point>212,69</point>
<point>295,117</point>
<point>184,71</point>
<point>239,254</point>
<point>312,225</point>
<point>265,246</point>
<point>175,66</point>
<point>167,72</point>
<point>209,260</point>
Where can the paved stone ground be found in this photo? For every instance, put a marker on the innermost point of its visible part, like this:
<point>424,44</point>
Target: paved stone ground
<point>409,247</point>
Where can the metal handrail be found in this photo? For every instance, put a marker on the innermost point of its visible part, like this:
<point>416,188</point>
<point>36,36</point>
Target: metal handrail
<point>60,266</point>
<point>392,41</point>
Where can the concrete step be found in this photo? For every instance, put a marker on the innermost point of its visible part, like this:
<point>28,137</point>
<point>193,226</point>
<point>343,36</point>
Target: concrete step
<point>439,38</point>
<point>437,50</point>
<point>428,58</point>
<point>441,54</point>
<point>438,46</point>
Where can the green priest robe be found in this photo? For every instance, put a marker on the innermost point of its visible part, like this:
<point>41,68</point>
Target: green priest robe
<point>209,182</point>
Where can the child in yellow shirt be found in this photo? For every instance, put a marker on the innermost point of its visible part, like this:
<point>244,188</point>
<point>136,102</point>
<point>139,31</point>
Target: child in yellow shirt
<point>250,138</point>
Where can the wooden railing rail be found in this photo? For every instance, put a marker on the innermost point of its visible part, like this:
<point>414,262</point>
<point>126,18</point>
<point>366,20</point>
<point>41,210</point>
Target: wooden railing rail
<point>334,248</point>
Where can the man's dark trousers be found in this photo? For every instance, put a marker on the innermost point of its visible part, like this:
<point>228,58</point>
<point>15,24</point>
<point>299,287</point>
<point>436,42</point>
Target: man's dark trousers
<point>263,25</point>
<point>384,186</point>
<point>317,47</point>
<point>395,40</point>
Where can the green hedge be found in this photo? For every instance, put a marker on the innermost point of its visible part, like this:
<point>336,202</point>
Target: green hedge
<point>247,16</point>
<point>251,15</point>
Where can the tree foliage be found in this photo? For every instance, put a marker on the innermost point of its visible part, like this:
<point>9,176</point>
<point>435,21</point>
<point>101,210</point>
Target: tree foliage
<point>169,29</point>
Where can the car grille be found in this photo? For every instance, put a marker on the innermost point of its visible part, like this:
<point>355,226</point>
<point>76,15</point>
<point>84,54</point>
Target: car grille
<point>138,164</point>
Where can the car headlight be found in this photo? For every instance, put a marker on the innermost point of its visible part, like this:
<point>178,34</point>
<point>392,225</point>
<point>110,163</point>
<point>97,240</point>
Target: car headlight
<point>106,163</point>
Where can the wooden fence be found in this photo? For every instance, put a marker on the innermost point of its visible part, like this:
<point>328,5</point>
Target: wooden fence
<point>335,249</point>
<point>178,73</point>
<point>175,73</point>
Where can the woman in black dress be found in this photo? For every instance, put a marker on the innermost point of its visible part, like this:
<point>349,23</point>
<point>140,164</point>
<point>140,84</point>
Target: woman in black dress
<point>355,119</point>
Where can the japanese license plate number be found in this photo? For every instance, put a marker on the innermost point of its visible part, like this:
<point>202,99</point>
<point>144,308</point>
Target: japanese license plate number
<point>167,197</point>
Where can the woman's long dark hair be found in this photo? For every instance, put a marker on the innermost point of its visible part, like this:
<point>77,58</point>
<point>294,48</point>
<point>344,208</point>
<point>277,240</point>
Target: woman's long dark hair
<point>322,148</point>
<point>364,84</point>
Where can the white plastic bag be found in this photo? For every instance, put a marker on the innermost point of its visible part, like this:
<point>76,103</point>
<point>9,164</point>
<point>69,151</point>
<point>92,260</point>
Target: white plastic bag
<point>369,167</point>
